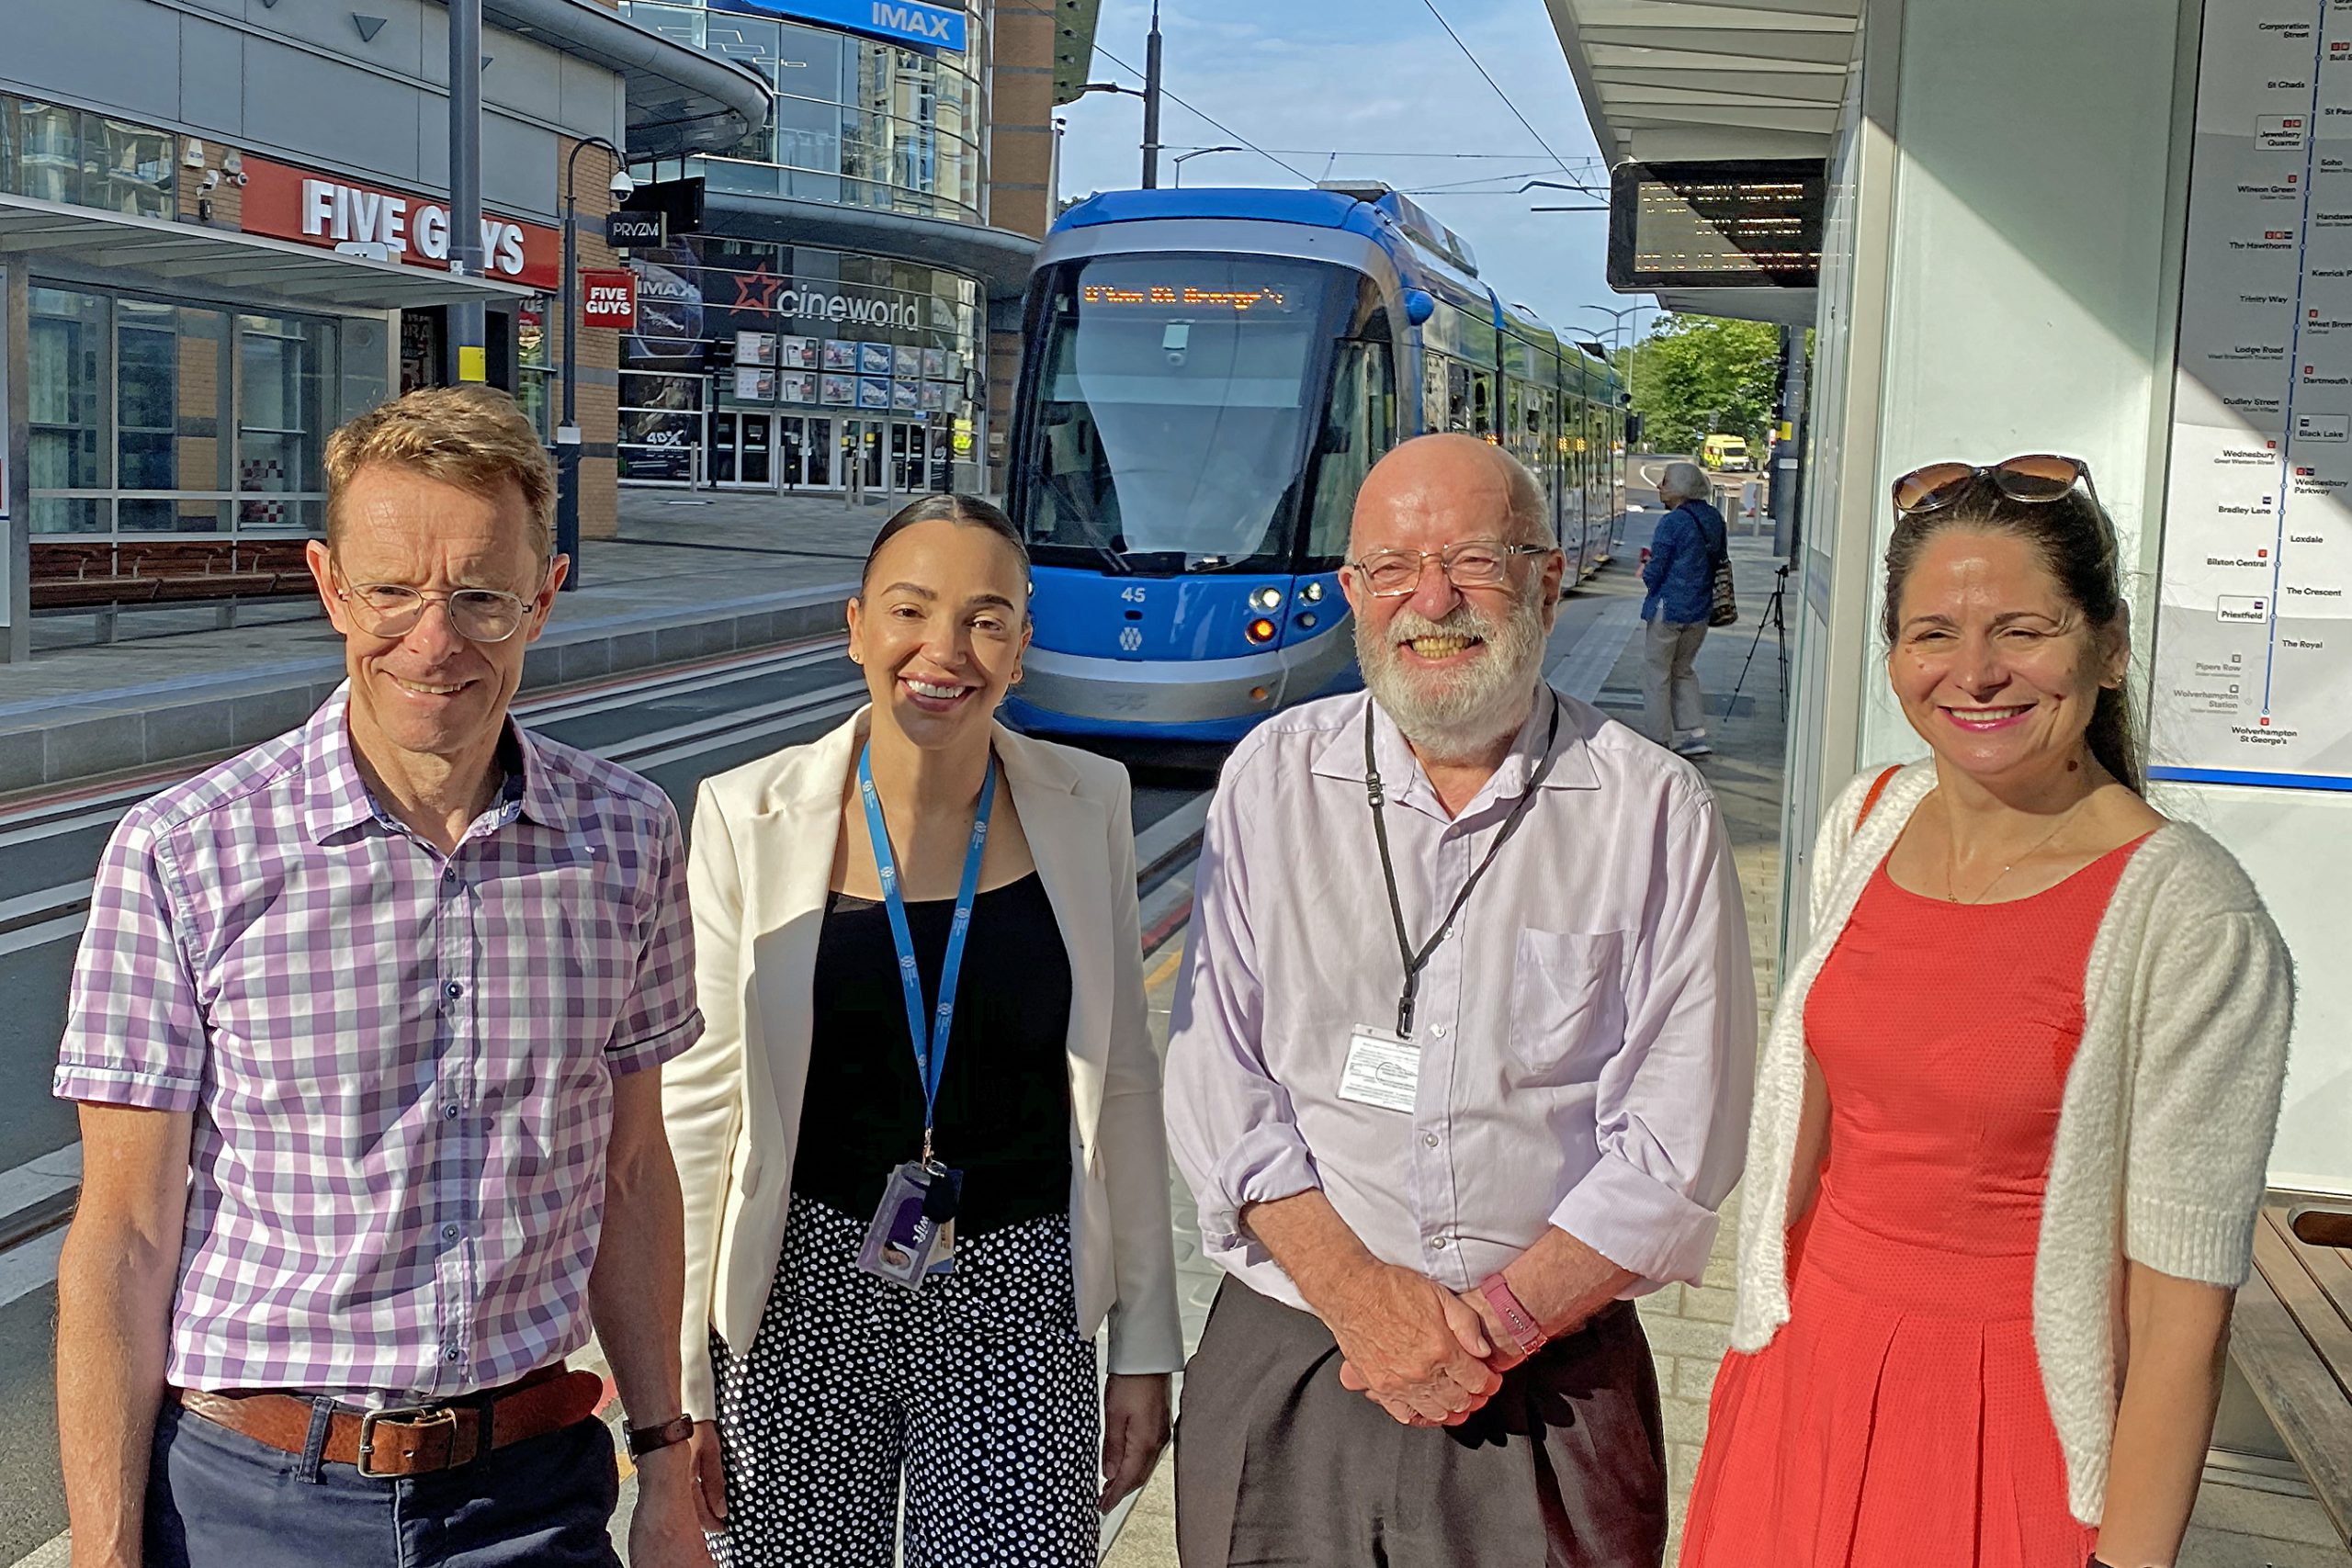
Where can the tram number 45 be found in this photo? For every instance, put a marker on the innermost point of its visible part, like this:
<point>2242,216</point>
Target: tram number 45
<point>1133,594</point>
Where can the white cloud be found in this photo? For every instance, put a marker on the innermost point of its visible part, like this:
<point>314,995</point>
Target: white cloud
<point>1365,77</point>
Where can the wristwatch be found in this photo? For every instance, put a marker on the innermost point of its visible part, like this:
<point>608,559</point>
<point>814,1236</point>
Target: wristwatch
<point>1525,1332</point>
<point>643,1441</point>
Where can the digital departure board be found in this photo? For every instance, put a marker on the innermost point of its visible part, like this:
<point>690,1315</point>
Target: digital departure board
<point>1191,295</point>
<point>1752,223</point>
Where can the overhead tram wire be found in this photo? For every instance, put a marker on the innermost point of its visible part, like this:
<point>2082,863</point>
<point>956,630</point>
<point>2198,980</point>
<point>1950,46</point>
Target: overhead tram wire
<point>1203,115</point>
<point>1164,91</point>
<point>1472,59</point>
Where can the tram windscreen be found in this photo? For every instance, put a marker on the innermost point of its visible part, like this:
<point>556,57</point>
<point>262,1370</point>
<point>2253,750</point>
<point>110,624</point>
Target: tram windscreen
<point>1176,395</point>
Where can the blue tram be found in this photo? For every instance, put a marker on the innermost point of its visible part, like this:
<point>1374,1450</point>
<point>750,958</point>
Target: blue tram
<point>1209,375</point>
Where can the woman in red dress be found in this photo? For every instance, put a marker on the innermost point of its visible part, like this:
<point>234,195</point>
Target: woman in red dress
<point>1997,1202</point>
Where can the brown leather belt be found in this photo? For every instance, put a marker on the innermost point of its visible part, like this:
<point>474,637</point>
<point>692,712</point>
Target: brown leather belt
<point>412,1440</point>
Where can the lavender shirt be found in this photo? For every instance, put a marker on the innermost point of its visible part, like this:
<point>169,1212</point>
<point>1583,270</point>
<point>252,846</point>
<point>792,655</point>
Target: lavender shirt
<point>1586,1031</point>
<point>401,1065</point>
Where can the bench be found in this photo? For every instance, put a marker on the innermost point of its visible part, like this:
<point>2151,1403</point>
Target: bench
<point>74,576</point>
<point>2292,1338</point>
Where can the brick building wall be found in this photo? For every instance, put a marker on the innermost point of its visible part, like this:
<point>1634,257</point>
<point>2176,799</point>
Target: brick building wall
<point>1021,195</point>
<point>598,370</point>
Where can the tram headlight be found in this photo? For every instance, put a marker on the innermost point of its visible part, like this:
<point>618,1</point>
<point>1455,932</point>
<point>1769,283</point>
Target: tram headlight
<point>1312,593</point>
<point>1268,598</point>
<point>1262,630</point>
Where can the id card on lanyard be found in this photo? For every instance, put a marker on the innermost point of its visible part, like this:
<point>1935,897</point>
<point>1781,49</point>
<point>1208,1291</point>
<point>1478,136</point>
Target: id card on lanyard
<point>912,1234</point>
<point>1383,1066</point>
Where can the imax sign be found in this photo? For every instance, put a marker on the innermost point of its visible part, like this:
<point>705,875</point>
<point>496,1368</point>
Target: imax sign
<point>900,21</point>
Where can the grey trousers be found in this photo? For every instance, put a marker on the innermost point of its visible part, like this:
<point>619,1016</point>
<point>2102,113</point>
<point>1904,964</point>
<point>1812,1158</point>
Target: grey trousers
<point>1277,1464</point>
<point>1670,680</point>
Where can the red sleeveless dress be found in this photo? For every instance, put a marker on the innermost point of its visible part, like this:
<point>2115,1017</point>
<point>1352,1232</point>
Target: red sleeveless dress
<point>1899,1416</point>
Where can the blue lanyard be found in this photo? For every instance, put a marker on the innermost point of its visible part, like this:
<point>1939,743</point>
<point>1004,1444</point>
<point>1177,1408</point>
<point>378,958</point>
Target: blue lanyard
<point>930,1060</point>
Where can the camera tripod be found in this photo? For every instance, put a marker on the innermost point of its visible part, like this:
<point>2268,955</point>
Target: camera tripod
<point>1771,617</point>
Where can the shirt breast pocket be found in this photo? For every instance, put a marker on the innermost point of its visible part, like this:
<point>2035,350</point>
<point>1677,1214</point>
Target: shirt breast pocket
<point>1567,1006</point>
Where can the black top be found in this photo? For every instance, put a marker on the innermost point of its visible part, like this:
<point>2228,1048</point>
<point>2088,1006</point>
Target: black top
<point>1003,1116</point>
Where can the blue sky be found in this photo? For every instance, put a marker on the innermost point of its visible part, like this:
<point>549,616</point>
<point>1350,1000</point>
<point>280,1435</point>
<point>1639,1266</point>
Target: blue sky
<point>1370,80</point>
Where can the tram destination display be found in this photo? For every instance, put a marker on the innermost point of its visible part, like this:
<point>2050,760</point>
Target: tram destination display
<point>2253,666</point>
<point>1749,223</point>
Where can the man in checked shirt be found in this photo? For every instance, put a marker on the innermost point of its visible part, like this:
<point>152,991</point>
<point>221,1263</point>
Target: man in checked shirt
<point>367,1031</point>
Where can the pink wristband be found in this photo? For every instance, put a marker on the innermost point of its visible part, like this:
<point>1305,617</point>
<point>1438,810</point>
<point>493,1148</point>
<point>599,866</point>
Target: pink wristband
<point>1525,1331</point>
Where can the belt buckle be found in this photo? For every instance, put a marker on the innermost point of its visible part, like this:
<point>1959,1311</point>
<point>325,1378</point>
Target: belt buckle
<point>421,1417</point>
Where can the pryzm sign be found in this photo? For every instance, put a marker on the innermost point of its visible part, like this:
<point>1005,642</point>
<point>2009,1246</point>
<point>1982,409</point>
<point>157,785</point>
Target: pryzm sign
<point>900,21</point>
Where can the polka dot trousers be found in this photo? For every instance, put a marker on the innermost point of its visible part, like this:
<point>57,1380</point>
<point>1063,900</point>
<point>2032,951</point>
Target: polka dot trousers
<point>976,1391</point>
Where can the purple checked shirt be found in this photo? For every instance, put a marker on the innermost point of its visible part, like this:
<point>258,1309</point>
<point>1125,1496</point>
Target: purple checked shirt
<point>401,1065</point>
<point>1586,1028</point>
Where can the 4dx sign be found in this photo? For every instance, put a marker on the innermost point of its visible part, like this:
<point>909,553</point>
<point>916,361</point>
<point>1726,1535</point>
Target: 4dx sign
<point>608,297</point>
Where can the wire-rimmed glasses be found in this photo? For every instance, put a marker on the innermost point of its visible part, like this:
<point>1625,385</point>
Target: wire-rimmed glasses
<point>1468,563</point>
<point>393,609</point>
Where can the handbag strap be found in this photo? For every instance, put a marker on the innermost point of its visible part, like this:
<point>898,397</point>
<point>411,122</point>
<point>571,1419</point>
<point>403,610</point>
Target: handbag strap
<point>1878,787</point>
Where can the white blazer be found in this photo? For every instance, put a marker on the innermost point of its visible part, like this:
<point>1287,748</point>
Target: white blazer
<point>759,874</point>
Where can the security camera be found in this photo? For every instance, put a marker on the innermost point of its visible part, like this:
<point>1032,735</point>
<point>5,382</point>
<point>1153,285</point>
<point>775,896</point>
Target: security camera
<point>621,185</point>
<point>240,176</point>
<point>211,179</point>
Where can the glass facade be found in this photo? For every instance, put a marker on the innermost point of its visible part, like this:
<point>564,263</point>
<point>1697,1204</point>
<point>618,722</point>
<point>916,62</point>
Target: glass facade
<point>841,348</point>
<point>858,122</point>
<point>54,153</point>
<point>155,417</point>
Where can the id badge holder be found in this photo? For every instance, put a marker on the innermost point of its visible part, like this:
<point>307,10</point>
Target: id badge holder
<point>911,1237</point>
<point>1382,1069</point>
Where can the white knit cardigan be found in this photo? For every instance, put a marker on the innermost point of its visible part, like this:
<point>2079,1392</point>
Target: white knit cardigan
<point>2163,1130</point>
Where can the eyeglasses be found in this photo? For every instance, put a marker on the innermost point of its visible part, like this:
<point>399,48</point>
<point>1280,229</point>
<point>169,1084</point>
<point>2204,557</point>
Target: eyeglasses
<point>393,609</point>
<point>2041,477</point>
<point>1473,563</point>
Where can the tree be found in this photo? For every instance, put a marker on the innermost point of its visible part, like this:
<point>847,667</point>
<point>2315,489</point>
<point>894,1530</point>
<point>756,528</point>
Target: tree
<point>1698,376</point>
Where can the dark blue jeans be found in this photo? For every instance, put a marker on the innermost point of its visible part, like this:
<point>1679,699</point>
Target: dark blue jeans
<point>218,1499</point>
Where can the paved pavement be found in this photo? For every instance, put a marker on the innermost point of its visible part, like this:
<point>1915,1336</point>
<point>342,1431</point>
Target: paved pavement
<point>690,576</point>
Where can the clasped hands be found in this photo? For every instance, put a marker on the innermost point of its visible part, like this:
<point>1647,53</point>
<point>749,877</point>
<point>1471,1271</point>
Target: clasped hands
<point>1427,1356</point>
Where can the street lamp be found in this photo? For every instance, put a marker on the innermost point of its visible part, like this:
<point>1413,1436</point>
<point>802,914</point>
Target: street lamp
<point>567,435</point>
<point>1199,153</point>
<point>1617,325</point>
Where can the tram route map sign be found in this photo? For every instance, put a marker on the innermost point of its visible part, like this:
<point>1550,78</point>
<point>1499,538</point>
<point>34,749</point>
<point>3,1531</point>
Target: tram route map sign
<point>2253,665</point>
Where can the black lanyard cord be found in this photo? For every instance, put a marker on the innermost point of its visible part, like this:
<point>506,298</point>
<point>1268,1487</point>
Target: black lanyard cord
<point>1415,962</point>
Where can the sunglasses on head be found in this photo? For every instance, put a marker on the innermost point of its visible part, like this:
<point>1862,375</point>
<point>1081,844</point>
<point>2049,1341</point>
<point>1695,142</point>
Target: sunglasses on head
<point>2040,476</point>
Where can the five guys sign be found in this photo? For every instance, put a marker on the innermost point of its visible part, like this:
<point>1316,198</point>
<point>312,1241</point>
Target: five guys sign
<point>314,209</point>
<point>608,297</point>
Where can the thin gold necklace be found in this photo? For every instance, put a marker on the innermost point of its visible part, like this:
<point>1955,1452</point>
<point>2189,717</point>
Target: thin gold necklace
<point>1952,858</point>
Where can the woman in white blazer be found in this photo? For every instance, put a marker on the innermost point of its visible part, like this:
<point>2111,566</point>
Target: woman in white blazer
<point>2014,1109</point>
<point>908,1213</point>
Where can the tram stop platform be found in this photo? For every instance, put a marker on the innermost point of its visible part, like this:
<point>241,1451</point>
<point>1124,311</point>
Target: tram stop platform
<point>690,576</point>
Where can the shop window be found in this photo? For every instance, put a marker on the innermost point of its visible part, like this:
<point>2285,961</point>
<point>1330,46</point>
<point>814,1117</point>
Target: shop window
<point>66,356</point>
<point>49,153</point>
<point>55,153</point>
<point>536,377</point>
<point>128,168</point>
<point>282,377</point>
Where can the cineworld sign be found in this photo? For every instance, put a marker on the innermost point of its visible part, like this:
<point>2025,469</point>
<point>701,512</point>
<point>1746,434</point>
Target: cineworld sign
<point>900,21</point>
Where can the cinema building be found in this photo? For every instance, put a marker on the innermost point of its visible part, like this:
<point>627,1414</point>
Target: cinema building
<point>224,229</point>
<point>847,306</point>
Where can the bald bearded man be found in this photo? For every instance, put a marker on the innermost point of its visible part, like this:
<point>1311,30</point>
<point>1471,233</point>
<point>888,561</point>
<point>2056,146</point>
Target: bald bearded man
<point>1461,1064</point>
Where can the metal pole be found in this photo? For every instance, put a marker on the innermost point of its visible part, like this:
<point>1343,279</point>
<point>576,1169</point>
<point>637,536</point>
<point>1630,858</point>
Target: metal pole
<point>16,466</point>
<point>1152,103</point>
<point>1787,464</point>
<point>567,435</point>
<point>469,329</point>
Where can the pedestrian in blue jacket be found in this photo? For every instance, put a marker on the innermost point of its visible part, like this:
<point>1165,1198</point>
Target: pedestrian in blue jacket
<point>1680,575</point>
